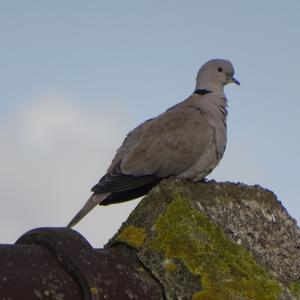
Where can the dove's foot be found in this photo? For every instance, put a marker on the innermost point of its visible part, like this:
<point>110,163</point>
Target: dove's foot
<point>190,180</point>
<point>204,180</point>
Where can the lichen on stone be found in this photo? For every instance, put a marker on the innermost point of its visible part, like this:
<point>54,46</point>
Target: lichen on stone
<point>225,269</point>
<point>94,290</point>
<point>132,236</point>
<point>169,265</point>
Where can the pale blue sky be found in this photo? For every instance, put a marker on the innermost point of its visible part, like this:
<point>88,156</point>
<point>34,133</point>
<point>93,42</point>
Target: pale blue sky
<point>76,76</point>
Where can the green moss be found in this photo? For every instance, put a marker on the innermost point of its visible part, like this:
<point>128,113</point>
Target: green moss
<point>132,236</point>
<point>226,270</point>
<point>294,288</point>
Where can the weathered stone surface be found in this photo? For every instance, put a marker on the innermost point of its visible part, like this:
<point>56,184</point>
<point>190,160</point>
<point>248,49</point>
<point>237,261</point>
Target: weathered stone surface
<point>215,241</point>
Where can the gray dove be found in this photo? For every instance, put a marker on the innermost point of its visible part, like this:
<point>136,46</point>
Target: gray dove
<point>186,141</point>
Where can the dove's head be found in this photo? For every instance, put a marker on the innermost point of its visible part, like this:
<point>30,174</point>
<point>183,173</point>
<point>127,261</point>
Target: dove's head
<point>215,74</point>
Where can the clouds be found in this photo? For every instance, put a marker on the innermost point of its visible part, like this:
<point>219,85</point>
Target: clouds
<point>53,151</point>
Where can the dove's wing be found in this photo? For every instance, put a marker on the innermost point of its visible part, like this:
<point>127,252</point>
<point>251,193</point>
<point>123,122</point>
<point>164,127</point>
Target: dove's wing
<point>161,147</point>
<point>169,144</point>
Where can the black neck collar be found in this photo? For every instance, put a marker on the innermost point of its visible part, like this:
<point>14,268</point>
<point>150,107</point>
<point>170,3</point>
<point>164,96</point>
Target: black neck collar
<point>201,92</point>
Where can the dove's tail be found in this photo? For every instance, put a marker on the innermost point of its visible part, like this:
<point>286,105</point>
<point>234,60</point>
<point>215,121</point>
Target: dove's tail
<point>88,206</point>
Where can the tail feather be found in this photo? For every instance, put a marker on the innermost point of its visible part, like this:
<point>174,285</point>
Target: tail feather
<point>94,200</point>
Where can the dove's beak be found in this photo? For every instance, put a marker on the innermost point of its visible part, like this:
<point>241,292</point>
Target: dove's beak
<point>235,80</point>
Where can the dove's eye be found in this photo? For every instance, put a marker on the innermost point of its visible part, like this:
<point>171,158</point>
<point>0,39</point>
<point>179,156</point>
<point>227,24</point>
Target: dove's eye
<point>220,70</point>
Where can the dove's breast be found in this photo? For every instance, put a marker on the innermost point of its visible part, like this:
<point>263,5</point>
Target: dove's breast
<point>213,150</point>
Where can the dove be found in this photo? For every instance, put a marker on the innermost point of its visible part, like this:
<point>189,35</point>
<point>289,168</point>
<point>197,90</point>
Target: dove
<point>187,141</point>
